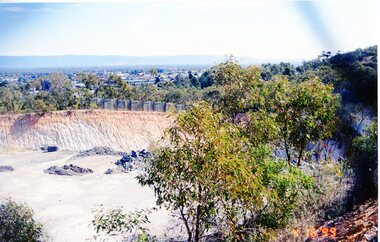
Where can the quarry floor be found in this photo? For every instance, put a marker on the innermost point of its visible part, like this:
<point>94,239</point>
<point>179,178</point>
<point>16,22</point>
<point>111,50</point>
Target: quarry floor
<point>64,204</point>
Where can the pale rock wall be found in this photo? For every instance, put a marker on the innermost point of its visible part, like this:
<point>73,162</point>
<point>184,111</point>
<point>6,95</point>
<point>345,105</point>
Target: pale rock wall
<point>83,129</point>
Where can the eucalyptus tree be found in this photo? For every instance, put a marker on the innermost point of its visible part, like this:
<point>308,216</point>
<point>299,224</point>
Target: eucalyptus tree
<point>218,180</point>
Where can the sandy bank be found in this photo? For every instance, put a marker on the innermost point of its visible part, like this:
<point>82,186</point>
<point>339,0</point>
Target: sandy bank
<point>82,129</point>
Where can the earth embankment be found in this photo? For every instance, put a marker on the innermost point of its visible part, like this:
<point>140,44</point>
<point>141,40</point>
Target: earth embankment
<point>82,129</point>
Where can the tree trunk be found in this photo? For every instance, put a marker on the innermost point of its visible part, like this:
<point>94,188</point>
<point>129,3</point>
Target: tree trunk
<point>287,151</point>
<point>286,143</point>
<point>299,157</point>
<point>197,222</point>
<point>301,151</point>
<point>185,220</point>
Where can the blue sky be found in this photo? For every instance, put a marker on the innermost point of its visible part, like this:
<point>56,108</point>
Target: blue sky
<point>277,29</point>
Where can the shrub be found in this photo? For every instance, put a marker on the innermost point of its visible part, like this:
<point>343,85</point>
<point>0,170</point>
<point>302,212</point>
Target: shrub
<point>17,223</point>
<point>328,199</point>
<point>120,225</point>
<point>364,162</point>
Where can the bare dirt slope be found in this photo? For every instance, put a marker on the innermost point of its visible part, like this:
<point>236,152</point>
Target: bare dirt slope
<point>357,225</point>
<point>82,129</point>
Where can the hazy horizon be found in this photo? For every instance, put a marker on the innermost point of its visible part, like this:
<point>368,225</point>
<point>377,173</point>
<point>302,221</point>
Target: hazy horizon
<point>278,29</point>
<point>79,61</point>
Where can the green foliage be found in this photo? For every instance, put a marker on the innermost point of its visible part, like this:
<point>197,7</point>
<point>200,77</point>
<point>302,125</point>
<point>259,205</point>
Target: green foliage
<point>211,173</point>
<point>286,185</point>
<point>17,223</point>
<point>60,91</point>
<point>114,88</point>
<point>295,113</point>
<point>305,112</point>
<point>206,80</point>
<point>147,92</point>
<point>211,94</point>
<point>240,87</point>
<point>10,99</point>
<point>41,106</point>
<point>268,71</point>
<point>364,161</point>
<point>91,81</point>
<point>325,73</point>
<point>194,80</point>
<point>325,201</point>
<point>354,74</point>
<point>116,222</point>
<point>182,81</point>
<point>175,96</point>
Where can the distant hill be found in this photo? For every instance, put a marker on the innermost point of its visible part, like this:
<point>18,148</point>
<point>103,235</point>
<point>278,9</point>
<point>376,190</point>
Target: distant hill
<point>70,61</point>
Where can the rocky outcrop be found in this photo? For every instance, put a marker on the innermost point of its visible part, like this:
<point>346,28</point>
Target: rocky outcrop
<point>49,148</point>
<point>83,129</point>
<point>6,168</point>
<point>115,170</point>
<point>68,170</point>
<point>101,150</point>
<point>130,162</point>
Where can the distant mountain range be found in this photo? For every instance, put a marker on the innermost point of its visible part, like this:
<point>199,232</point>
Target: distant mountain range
<point>77,61</point>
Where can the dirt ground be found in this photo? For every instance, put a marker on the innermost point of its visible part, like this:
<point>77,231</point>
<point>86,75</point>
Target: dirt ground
<point>63,204</point>
<point>358,225</point>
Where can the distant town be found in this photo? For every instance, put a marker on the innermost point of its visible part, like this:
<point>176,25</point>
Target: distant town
<point>132,76</point>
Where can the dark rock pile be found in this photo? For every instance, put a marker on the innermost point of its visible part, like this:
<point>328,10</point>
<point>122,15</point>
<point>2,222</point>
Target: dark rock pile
<point>115,170</point>
<point>6,168</point>
<point>68,170</point>
<point>100,150</point>
<point>144,153</point>
<point>49,148</point>
<point>125,162</point>
<point>134,154</point>
<point>129,162</point>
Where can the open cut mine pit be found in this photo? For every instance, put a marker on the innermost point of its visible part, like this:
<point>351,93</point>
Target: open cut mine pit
<point>62,203</point>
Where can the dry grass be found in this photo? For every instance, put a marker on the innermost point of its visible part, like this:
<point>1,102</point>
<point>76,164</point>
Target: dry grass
<point>327,200</point>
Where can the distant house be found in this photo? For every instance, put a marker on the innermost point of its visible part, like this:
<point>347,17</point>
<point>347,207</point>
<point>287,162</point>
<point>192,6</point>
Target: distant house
<point>79,85</point>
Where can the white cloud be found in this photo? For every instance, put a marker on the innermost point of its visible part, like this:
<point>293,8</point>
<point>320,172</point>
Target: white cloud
<point>41,9</point>
<point>14,9</point>
<point>77,5</point>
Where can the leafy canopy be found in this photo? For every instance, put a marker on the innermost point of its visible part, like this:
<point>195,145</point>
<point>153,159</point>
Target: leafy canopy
<point>215,178</point>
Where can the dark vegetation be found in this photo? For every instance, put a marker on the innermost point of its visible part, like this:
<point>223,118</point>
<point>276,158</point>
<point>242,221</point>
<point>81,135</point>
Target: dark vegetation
<point>250,156</point>
<point>57,92</point>
<point>17,223</point>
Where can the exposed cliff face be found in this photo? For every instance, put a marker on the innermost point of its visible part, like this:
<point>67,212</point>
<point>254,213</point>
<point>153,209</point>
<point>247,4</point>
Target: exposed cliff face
<point>84,129</point>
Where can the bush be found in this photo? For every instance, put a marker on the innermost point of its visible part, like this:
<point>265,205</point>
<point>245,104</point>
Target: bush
<point>220,184</point>
<point>120,225</point>
<point>17,223</point>
<point>364,163</point>
<point>328,199</point>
